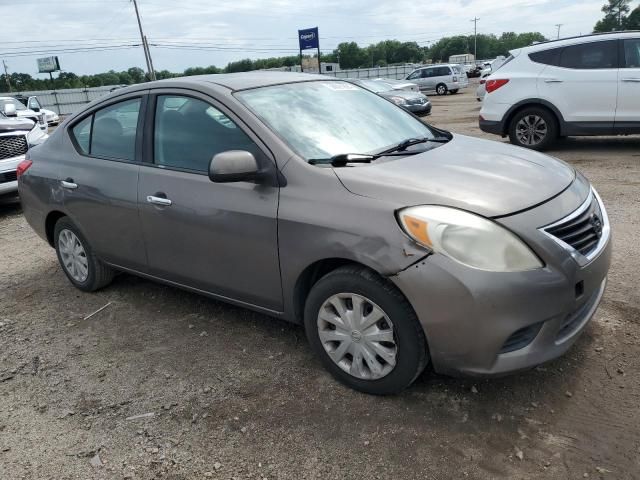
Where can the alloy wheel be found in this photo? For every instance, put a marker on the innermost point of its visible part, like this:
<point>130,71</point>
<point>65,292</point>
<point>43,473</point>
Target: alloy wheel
<point>358,336</point>
<point>73,255</point>
<point>441,90</point>
<point>531,130</point>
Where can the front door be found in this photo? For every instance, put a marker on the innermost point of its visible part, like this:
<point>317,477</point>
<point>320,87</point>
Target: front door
<point>628,111</point>
<point>217,237</point>
<point>99,181</point>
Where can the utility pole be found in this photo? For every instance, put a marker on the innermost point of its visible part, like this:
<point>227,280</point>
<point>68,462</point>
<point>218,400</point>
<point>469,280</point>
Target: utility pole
<point>475,38</point>
<point>6,75</point>
<point>559,25</point>
<point>147,54</point>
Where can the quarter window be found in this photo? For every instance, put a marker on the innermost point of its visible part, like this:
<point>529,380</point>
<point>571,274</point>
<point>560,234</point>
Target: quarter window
<point>546,57</point>
<point>590,56</point>
<point>189,132</point>
<point>632,53</point>
<point>82,134</point>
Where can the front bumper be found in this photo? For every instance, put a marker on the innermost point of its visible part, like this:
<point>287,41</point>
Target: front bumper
<point>469,316</point>
<point>8,181</point>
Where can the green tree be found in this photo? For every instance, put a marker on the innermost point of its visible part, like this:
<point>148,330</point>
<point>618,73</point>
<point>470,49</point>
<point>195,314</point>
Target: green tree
<point>615,16</point>
<point>633,20</point>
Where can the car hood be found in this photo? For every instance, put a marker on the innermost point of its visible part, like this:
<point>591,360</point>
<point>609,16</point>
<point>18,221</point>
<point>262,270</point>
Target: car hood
<point>406,94</point>
<point>15,124</point>
<point>482,176</point>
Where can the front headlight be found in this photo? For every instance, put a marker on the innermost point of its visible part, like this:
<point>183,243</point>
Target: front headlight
<point>468,239</point>
<point>398,100</point>
<point>36,136</point>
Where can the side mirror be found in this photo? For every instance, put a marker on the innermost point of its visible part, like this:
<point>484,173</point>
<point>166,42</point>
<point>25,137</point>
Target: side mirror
<point>9,109</point>
<point>234,166</point>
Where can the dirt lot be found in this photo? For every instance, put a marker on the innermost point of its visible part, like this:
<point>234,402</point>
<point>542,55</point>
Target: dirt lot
<point>233,394</point>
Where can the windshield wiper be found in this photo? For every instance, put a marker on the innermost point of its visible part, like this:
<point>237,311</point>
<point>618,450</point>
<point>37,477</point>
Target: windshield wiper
<point>409,142</point>
<point>342,159</point>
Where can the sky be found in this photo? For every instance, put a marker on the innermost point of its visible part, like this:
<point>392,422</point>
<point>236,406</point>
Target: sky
<point>186,33</point>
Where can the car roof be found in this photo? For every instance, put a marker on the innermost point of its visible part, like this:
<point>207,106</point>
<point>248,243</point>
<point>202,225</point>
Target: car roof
<point>577,40</point>
<point>243,80</point>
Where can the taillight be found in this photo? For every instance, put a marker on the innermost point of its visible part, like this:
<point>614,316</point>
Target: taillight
<point>493,85</point>
<point>23,166</point>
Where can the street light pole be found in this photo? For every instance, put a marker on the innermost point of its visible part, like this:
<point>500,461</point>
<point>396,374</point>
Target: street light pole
<point>475,38</point>
<point>145,47</point>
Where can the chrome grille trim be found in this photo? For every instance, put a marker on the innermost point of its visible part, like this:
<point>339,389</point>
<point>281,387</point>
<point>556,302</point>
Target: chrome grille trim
<point>580,258</point>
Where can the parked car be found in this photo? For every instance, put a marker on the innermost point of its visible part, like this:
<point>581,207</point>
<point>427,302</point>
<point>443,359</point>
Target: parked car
<point>394,243</point>
<point>440,78</point>
<point>17,135</point>
<point>481,91</point>
<point>586,85</point>
<point>399,84</point>
<point>415,102</point>
<point>34,104</point>
<point>11,107</point>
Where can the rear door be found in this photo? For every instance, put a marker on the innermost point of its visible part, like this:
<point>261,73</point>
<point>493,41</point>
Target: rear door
<point>99,178</point>
<point>582,82</point>
<point>628,111</point>
<point>217,237</point>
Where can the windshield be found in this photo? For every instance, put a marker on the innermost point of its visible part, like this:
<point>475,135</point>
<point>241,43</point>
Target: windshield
<point>12,101</point>
<point>323,119</point>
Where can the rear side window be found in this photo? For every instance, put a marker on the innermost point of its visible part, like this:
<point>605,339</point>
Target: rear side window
<point>189,132</point>
<point>114,130</point>
<point>546,57</point>
<point>82,134</point>
<point>632,53</point>
<point>442,71</point>
<point>590,56</point>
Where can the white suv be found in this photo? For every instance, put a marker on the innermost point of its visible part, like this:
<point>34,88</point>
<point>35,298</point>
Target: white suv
<point>577,86</point>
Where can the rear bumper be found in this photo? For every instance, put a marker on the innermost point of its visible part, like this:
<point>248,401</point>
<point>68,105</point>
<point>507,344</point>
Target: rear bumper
<point>491,126</point>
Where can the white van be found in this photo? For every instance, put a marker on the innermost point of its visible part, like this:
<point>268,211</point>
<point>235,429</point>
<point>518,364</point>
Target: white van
<point>441,78</point>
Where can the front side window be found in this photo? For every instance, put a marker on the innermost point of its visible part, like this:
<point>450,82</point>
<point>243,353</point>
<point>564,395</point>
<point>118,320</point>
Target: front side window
<point>320,119</point>
<point>590,56</point>
<point>34,104</point>
<point>189,132</point>
<point>632,53</point>
<point>114,131</point>
<point>414,75</point>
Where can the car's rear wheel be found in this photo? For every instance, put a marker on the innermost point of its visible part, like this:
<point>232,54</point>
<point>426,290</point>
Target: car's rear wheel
<point>441,89</point>
<point>83,269</point>
<point>365,332</point>
<point>534,128</point>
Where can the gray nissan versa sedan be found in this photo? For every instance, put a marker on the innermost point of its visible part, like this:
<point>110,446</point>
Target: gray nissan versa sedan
<point>311,199</point>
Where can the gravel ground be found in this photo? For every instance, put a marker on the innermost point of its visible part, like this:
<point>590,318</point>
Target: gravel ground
<point>220,392</point>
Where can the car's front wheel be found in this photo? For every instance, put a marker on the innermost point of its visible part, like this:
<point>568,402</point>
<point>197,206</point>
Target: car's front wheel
<point>83,269</point>
<point>534,128</point>
<point>365,332</point>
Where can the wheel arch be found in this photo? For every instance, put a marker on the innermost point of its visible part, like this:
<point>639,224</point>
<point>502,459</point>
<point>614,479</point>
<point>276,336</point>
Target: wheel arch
<point>533,102</point>
<point>50,224</point>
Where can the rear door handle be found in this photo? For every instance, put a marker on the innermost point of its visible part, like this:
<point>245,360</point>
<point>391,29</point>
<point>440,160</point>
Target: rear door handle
<point>165,202</point>
<point>553,80</point>
<point>631,80</point>
<point>69,184</point>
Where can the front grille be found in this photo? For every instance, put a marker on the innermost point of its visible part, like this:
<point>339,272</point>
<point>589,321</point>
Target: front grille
<point>582,231</point>
<point>8,177</point>
<point>12,146</point>
<point>521,338</point>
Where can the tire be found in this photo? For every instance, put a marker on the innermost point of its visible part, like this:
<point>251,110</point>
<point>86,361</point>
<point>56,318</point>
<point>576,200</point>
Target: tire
<point>453,92</point>
<point>533,127</point>
<point>376,375</point>
<point>97,274</point>
<point>441,89</point>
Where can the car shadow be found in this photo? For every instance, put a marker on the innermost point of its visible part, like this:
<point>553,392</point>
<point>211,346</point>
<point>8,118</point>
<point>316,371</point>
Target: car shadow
<point>10,205</point>
<point>629,144</point>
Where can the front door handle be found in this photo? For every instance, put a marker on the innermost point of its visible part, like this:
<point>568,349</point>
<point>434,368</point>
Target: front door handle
<point>69,184</point>
<point>165,202</point>
<point>553,80</point>
<point>631,80</point>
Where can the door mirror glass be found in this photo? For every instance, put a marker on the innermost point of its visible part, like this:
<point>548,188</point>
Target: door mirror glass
<point>9,109</point>
<point>233,166</point>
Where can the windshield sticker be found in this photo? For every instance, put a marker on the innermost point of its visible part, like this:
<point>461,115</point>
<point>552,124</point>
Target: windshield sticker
<point>340,86</point>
